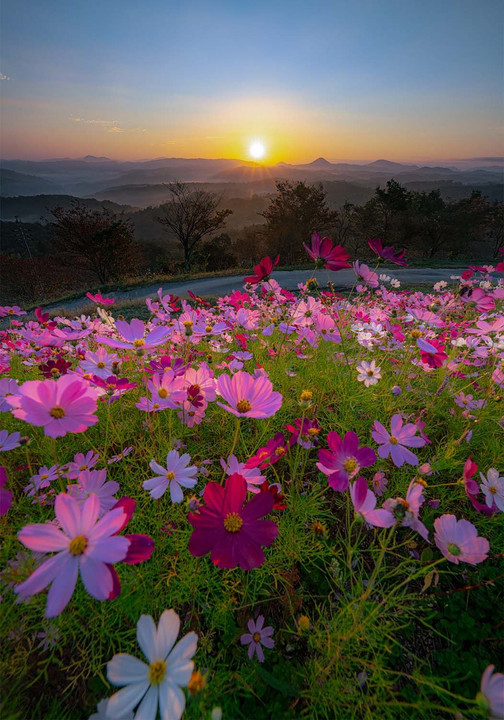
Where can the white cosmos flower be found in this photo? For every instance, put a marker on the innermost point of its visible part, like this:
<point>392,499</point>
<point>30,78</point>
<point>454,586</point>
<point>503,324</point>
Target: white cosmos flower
<point>369,374</point>
<point>158,683</point>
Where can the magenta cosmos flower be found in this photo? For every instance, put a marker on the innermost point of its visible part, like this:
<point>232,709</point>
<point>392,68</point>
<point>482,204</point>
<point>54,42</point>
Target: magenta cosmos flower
<point>229,528</point>
<point>59,406</point>
<point>344,459</point>
<point>99,299</point>
<point>5,495</point>
<point>492,690</point>
<point>248,396</point>
<point>388,252</point>
<point>81,544</point>
<point>458,540</point>
<point>393,444</point>
<point>262,271</point>
<point>323,252</point>
<point>257,636</point>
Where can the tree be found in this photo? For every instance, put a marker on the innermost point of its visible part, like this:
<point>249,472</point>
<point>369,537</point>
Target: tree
<point>190,216</point>
<point>295,212</point>
<point>97,241</point>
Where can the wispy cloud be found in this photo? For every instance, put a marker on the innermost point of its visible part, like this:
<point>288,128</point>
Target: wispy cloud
<point>4,77</point>
<point>93,122</point>
<point>115,129</point>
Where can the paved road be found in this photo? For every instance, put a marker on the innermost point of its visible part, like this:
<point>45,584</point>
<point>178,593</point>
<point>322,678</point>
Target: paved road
<point>288,279</point>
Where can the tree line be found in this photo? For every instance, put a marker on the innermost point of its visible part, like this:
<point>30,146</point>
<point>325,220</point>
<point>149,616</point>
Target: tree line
<point>83,247</point>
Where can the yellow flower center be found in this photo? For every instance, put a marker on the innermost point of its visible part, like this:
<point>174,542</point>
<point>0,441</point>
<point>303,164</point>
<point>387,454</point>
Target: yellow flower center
<point>232,522</point>
<point>78,545</point>
<point>157,671</point>
<point>493,489</point>
<point>350,465</point>
<point>370,373</point>
<point>280,451</point>
<point>305,396</point>
<point>313,431</point>
<point>57,412</point>
<point>156,406</point>
<point>243,406</point>
<point>170,475</point>
<point>208,328</point>
<point>83,467</point>
<point>256,637</point>
<point>44,477</point>
<point>54,371</point>
<point>139,343</point>
<point>162,392</point>
<point>393,440</point>
<point>100,364</point>
<point>416,333</point>
<point>188,324</point>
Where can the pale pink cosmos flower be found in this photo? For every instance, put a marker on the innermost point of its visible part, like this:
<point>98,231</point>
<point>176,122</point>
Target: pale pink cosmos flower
<point>167,389</point>
<point>177,474</point>
<point>201,381</point>
<point>406,510</point>
<point>81,544</point>
<point>492,487</point>
<point>492,689</point>
<point>99,363</point>
<point>248,396</point>
<point>95,482</point>
<point>158,683</point>
<point>368,373</point>
<point>365,274</point>
<point>59,406</point>
<point>364,502</point>
<point>394,443</point>
<point>458,540</point>
<point>81,463</point>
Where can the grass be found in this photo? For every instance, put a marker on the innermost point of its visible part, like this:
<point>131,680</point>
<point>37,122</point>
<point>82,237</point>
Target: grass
<point>381,643</point>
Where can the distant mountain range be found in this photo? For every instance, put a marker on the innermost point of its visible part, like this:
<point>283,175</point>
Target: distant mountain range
<point>102,177</point>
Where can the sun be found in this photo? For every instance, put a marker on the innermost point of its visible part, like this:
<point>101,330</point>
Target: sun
<point>257,150</point>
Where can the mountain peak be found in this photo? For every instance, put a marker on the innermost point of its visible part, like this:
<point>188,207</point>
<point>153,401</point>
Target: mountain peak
<point>320,162</point>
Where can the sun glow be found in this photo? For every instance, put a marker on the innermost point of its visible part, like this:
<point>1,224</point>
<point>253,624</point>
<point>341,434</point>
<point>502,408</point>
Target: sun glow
<point>257,150</point>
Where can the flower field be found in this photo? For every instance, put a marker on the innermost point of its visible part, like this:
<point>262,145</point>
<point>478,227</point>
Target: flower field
<point>281,505</point>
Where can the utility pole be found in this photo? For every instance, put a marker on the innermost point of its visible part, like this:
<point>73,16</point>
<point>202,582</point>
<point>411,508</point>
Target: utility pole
<point>23,237</point>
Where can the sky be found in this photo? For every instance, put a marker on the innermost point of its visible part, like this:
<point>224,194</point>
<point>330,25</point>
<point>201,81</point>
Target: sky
<point>342,79</point>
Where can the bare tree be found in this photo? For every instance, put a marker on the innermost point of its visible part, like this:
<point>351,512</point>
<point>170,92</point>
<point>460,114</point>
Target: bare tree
<point>190,216</point>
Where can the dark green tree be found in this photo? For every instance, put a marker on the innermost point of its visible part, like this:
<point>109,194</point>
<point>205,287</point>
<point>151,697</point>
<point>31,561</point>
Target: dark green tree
<point>294,213</point>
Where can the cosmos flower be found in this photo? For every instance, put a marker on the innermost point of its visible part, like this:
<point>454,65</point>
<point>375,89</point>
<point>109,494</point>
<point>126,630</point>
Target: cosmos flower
<point>344,459</point>
<point>388,252</point>
<point>81,463</point>
<point>5,495</point>
<point>81,544</point>
<point>257,636</point>
<point>95,482</point>
<point>368,373</point>
<point>458,540</point>
<point>492,690</point>
<point>9,442</point>
<point>8,386</point>
<point>366,275</point>
<point>394,444</point>
<point>324,254</point>
<point>364,502</point>
<point>229,527</point>
<point>158,683</point>
<point>134,337</point>
<point>406,510</point>
<point>379,483</point>
<point>248,396</point>
<point>177,474</point>
<point>59,406</point>
<point>251,474</point>
<point>99,299</point>
<point>492,487</point>
<point>262,271</point>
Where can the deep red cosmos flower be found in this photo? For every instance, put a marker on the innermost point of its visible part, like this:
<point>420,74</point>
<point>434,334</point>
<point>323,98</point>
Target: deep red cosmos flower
<point>262,271</point>
<point>324,254</point>
<point>55,367</point>
<point>388,252</point>
<point>229,528</point>
<point>140,548</point>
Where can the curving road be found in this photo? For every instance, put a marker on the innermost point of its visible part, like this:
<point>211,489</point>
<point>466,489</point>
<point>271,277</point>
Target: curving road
<point>288,279</point>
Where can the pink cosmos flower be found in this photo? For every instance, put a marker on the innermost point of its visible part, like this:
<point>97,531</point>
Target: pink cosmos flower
<point>492,487</point>
<point>9,442</point>
<point>177,474</point>
<point>100,363</point>
<point>458,540</point>
<point>135,337</point>
<point>201,381</point>
<point>229,527</point>
<point>257,636</point>
<point>365,274</point>
<point>394,443</point>
<point>379,483</point>
<point>406,511</point>
<point>271,453</point>
<point>478,298</point>
<point>81,463</point>
<point>248,396</point>
<point>364,502</point>
<point>59,406</point>
<point>324,254</point>
<point>5,495</point>
<point>81,544</point>
<point>344,459</point>
<point>251,475</point>
<point>95,482</point>
<point>492,689</point>
<point>99,299</point>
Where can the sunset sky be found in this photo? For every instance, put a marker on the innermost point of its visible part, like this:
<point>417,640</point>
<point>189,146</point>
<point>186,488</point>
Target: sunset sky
<point>401,79</point>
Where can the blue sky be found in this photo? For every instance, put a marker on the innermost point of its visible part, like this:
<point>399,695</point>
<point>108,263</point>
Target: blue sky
<point>359,79</point>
